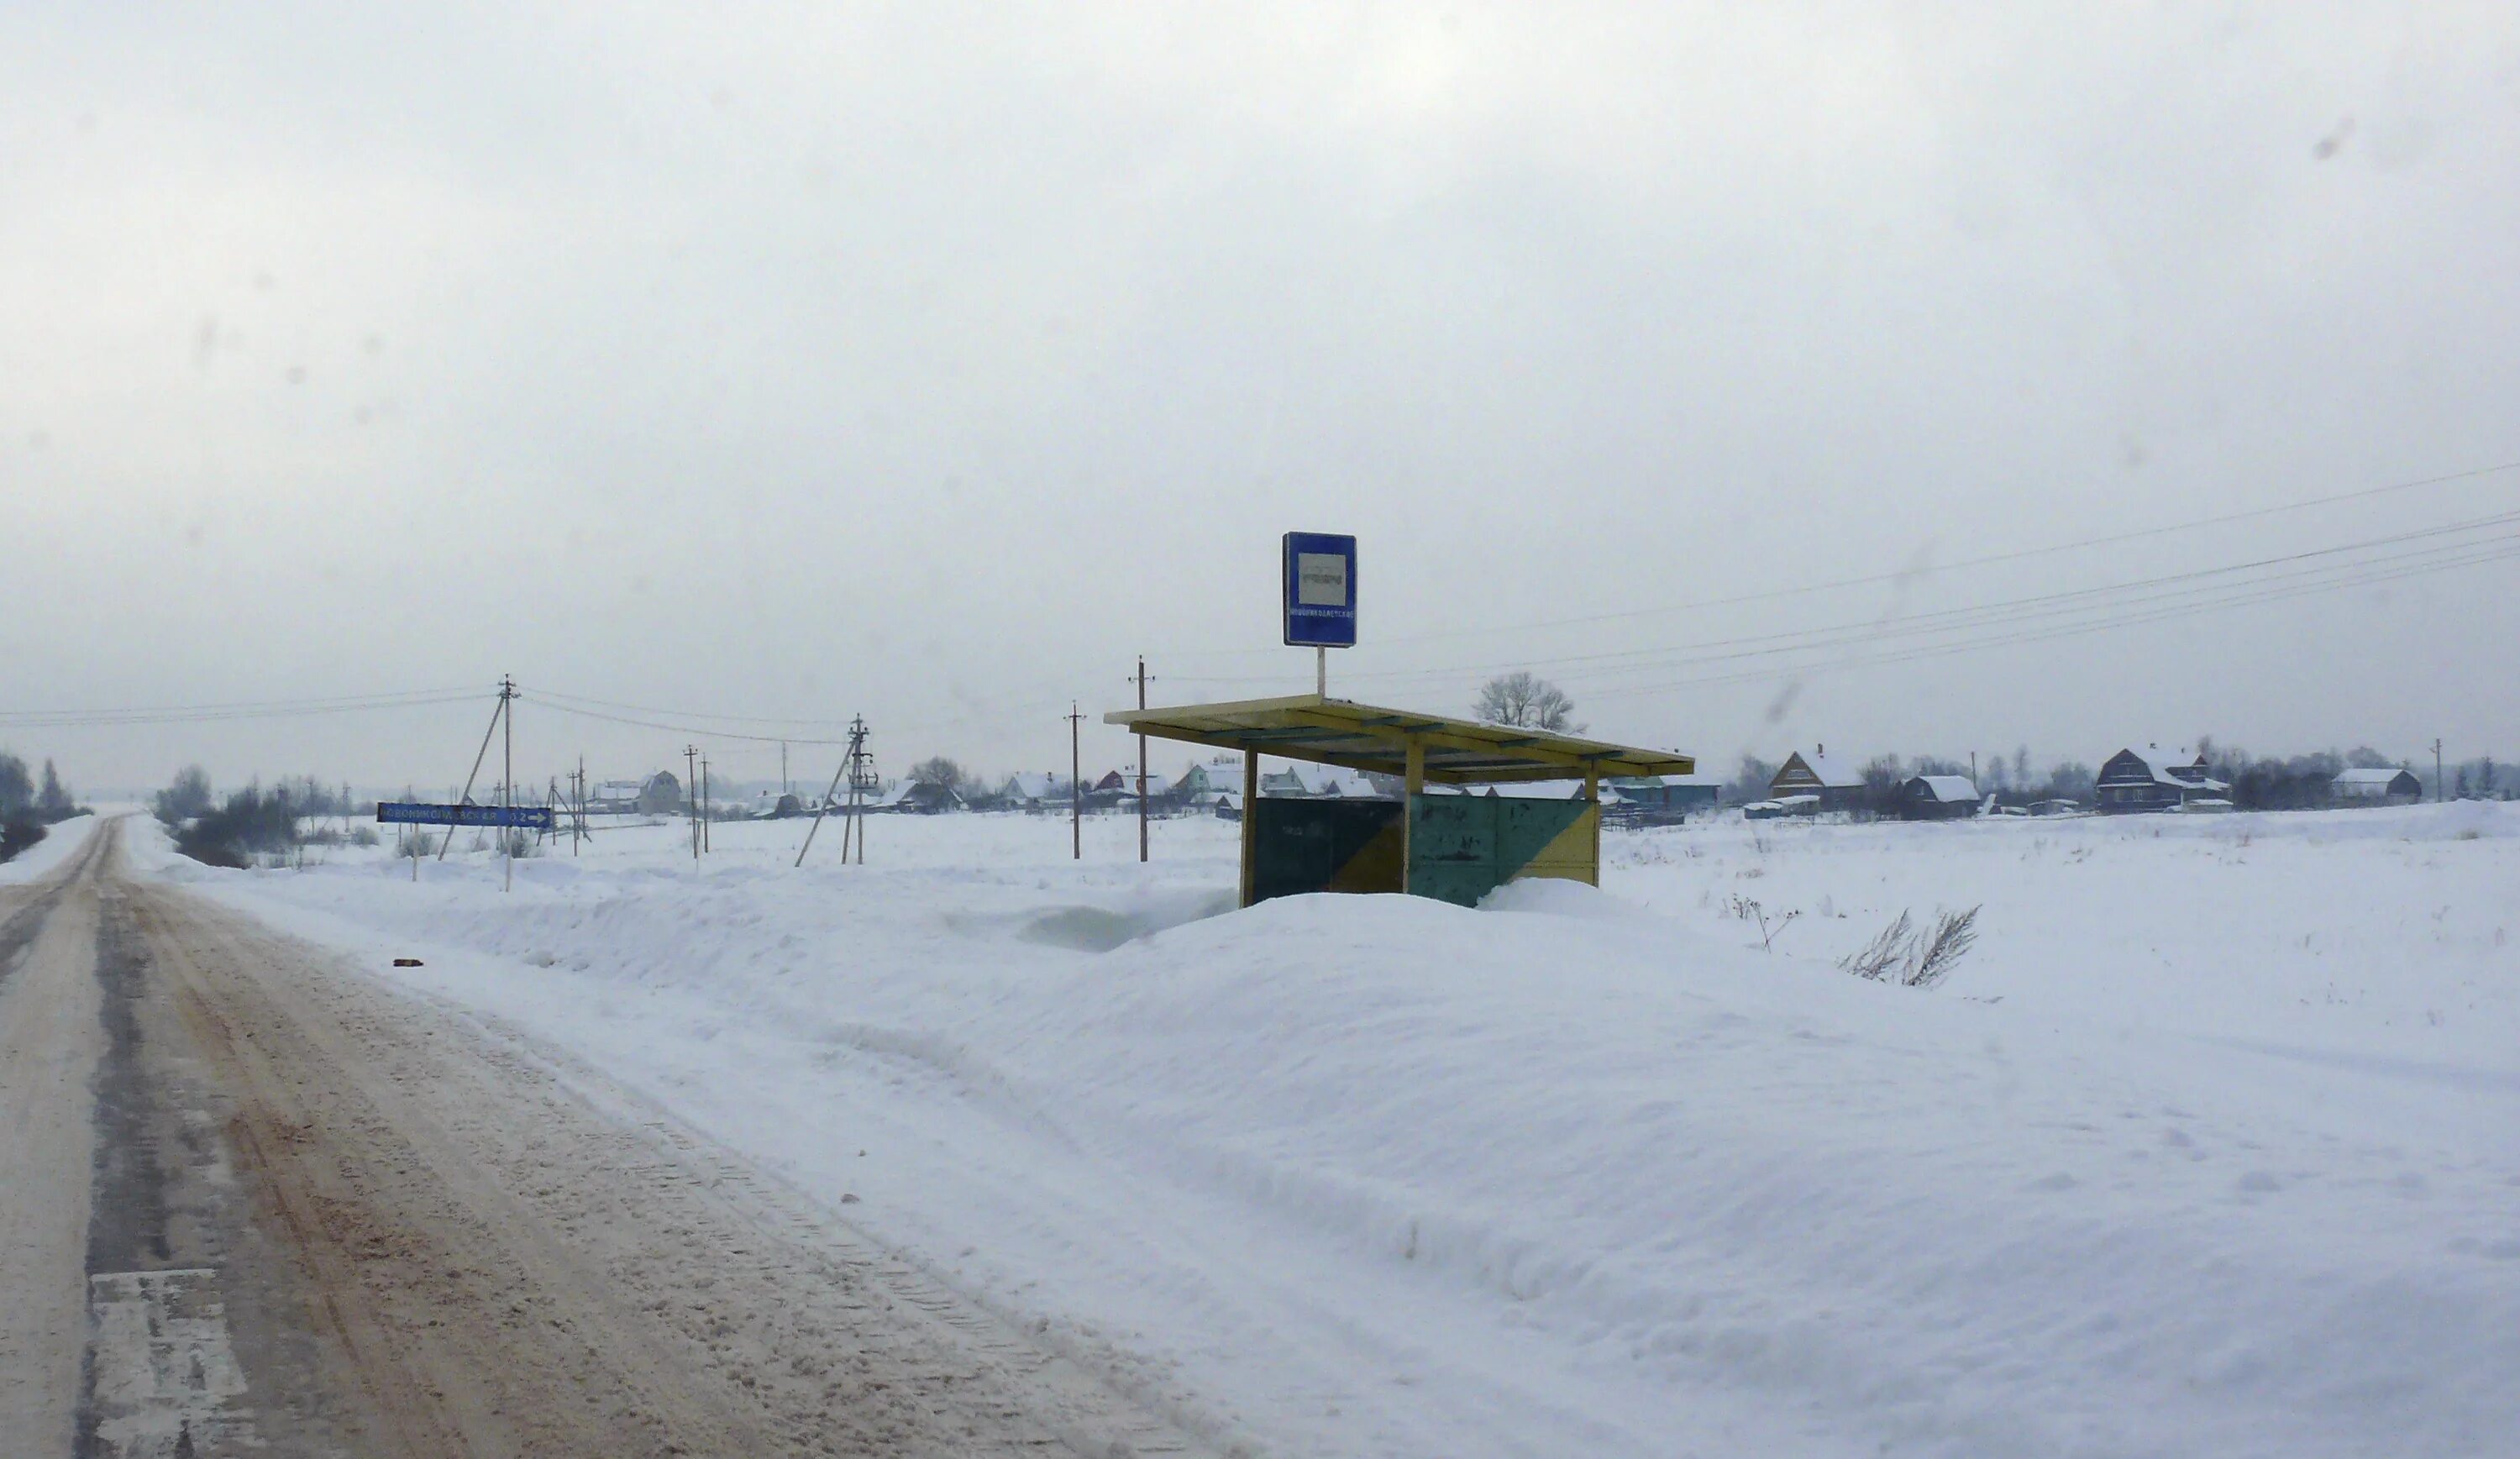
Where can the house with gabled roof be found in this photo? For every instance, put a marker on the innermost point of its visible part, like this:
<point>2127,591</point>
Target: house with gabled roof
<point>2384,786</point>
<point>1201,784</point>
<point>1036,790</point>
<point>1938,798</point>
<point>2150,780</point>
<point>660,794</point>
<point>1837,782</point>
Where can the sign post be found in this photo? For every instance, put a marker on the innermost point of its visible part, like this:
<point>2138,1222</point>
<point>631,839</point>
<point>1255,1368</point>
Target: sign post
<point>1319,580</point>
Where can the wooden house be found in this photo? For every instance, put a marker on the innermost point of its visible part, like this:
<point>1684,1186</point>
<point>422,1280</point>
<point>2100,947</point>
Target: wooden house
<point>1938,798</point>
<point>1837,784</point>
<point>2147,779</point>
<point>1035,791</point>
<point>660,794</point>
<point>2375,787</point>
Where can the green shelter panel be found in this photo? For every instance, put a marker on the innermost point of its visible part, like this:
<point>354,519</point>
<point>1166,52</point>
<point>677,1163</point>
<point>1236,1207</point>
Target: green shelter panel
<point>1300,846</point>
<point>1462,846</point>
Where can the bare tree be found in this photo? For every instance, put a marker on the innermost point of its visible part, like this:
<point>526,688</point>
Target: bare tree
<point>1753,781</point>
<point>1526,701</point>
<point>939,771</point>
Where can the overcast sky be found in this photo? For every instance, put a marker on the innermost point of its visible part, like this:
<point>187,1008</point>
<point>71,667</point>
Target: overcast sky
<point>931,361</point>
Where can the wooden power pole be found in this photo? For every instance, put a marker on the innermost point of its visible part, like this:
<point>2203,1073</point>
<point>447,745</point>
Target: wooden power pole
<point>691,794</point>
<point>507,779</point>
<point>1141,762</point>
<point>1075,782</point>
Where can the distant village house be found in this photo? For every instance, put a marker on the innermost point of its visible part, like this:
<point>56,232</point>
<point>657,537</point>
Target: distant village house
<point>2375,787</point>
<point>2148,780</point>
<point>1833,784</point>
<point>660,794</point>
<point>1938,798</point>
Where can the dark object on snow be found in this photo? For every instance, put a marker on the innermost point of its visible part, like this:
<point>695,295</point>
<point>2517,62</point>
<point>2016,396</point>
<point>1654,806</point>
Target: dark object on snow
<point>407,963</point>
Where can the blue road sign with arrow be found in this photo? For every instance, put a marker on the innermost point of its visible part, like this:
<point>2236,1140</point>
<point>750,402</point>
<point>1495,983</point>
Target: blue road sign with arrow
<point>421,813</point>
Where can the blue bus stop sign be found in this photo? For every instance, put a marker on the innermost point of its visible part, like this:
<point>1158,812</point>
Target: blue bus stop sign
<point>416,813</point>
<point>1321,590</point>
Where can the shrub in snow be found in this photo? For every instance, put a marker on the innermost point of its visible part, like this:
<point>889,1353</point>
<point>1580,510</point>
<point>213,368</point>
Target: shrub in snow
<point>1901,953</point>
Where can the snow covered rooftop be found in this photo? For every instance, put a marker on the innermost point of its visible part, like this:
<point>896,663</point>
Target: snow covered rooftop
<point>1836,772</point>
<point>2185,775</point>
<point>2381,776</point>
<point>1948,790</point>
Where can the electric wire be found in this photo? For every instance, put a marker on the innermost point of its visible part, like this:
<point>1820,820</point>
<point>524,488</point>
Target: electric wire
<point>52,719</point>
<point>1924,651</point>
<point>1800,589</point>
<point>1938,620</point>
<point>2009,609</point>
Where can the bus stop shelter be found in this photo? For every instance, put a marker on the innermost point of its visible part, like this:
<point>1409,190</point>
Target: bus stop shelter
<point>1440,843</point>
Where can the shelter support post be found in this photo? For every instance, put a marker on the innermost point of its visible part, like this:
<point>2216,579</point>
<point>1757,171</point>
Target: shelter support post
<point>1593,794</point>
<point>1412,785</point>
<point>1250,810</point>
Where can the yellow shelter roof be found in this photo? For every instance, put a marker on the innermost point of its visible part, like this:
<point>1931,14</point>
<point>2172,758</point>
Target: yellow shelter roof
<point>1364,736</point>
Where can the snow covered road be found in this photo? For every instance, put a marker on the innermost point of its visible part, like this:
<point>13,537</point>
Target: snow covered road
<point>318,1218</point>
<point>2208,1148</point>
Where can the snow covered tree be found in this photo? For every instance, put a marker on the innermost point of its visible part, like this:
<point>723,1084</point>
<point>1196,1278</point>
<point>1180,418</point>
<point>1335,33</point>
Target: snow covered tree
<point>187,797</point>
<point>17,790</point>
<point>52,801</point>
<point>1526,701</point>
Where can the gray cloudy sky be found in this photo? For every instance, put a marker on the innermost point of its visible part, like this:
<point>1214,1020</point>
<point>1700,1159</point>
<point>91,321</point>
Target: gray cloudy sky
<point>930,361</point>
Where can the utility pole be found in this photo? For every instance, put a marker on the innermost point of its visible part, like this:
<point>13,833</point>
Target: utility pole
<point>691,795</point>
<point>497,714</point>
<point>861,781</point>
<point>857,766</point>
<point>2436,769</point>
<point>1141,762</point>
<point>507,779</point>
<point>1075,782</point>
<point>783,768</point>
<point>704,804</point>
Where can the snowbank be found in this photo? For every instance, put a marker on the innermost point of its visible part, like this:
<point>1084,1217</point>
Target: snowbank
<point>1589,1172</point>
<point>60,842</point>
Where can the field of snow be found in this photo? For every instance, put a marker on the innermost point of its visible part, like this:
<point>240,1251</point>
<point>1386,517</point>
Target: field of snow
<point>2211,1146</point>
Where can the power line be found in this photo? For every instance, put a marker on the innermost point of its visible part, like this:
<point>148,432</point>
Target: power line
<point>2238,595</point>
<point>740,718</point>
<point>1925,622</point>
<point>2080,600</point>
<point>1905,574</point>
<point>207,713</point>
<point>689,731</point>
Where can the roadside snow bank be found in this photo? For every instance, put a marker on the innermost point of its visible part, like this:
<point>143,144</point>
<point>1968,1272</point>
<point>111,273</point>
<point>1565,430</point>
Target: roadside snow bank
<point>1578,1172</point>
<point>62,840</point>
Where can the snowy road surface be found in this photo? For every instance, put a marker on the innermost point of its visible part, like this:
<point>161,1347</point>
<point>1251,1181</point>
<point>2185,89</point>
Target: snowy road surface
<point>2208,1148</point>
<point>259,1204</point>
